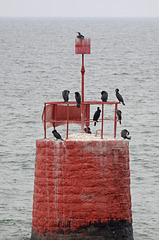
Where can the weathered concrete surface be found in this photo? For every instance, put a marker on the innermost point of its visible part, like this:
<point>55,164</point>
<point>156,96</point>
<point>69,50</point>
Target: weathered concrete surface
<point>82,190</point>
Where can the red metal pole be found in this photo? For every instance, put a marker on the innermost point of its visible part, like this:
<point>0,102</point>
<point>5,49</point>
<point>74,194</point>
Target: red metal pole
<point>67,119</point>
<point>82,94</point>
<point>88,114</point>
<point>102,120</point>
<point>82,73</point>
<point>44,120</point>
<point>115,121</point>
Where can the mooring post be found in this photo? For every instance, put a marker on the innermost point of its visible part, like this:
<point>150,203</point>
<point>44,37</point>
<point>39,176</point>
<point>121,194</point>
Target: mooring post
<point>82,184</point>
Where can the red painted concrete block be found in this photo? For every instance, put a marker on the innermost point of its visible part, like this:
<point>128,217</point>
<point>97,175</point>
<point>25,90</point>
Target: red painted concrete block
<point>79,184</point>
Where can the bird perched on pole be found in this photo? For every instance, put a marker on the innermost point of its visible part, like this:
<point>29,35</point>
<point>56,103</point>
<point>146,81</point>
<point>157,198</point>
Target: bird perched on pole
<point>125,133</point>
<point>118,113</point>
<point>80,35</point>
<point>119,97</point>
<point>96,116</point>
<point>65,95</point>
<point>104,96</point>
<point>78,99</point>
<point>56,134</point>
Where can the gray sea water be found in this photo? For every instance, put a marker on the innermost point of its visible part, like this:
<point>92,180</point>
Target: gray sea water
<point>38,62</point>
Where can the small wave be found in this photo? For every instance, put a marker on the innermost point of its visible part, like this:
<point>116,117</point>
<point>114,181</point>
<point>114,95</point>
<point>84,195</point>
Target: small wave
<point>124,73</point>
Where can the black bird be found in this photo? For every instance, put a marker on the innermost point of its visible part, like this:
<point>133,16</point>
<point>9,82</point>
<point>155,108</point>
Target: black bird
<point>118,113</point>
<point>87,130</point>
<point>119,97</point>
<point>65,95</point>
<point>80,35</point>
<point>104,96</point>
<point>125,133</point>
<point>56,134</point>
<point>78,99</point>
<point>96,116</point>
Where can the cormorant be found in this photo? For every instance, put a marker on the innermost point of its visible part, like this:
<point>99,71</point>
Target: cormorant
<point>80,35</point>
<point>119,97</point>
<point>104,96</point>
<point>56,134</point>
<point>78,99</point>
<point>87,130</point>
<point>96,116</point>
<point>125,133</point>
<point>118,113</point>
<point>65,95</point>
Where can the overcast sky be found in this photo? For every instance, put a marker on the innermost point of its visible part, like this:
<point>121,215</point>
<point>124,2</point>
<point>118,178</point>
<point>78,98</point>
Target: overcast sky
<point>79,8</point>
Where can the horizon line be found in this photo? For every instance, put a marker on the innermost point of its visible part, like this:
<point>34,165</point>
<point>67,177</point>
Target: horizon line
<point>79,17</point>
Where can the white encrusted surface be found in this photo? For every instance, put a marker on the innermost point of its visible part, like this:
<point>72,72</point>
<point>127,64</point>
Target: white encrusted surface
<point>86,137</point>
